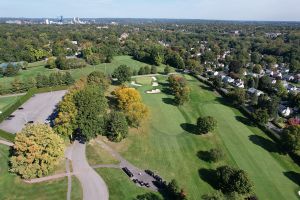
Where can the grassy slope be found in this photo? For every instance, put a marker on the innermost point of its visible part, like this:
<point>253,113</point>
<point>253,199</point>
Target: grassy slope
<point>171,151</point>
<point>38,67</point>
<point>119,185</point>
<point>11,187</point>
<point>5,102</point>
<point>97,155</point>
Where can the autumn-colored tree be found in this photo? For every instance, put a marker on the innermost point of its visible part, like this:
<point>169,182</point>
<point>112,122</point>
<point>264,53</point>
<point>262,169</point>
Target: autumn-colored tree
<point>126,97</point>
<point>65,123</point>
<point>130,102</point>
<point>136,113</point>
<point>37,150</point>
<point>98,78</point>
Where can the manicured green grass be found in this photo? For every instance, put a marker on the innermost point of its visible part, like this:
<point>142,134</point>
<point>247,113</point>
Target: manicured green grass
<point>11,187</point>
<point>108,68</point>
<point>76,192</point>
<point>97,155</point>
<point>6,102</point>
<point>119,185</point>
<point>144,80</point>
<point>167,146</point>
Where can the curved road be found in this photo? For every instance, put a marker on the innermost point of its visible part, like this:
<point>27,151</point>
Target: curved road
<point>93,186</point>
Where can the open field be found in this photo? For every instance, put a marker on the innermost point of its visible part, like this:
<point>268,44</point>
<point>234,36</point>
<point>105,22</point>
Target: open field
<point>119,185</point>
<point>108,68</point>
<point>168,147</point>
<point>6,102</point>
<point>11,187</point>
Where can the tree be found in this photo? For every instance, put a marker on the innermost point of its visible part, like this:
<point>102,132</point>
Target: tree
<point>136,113</point>
<point>65,122</point>
<point>148,196</point>
<point>93,59</point>
<point>130,102</point>
<point>182,95</point>
<point>153,69</point>
<point>261,116</point>
<point>233,180</point>
<point>68,79</point>
<point>235,66</point>
<point>280,89</point>
<point>122,73</point>
<point>265,84</point>
<point>238,96</point>
<point>215,155</point>
<point>61,62</point>
<point>147,69</point>
<point>91,105</point>
<point>214,196</point>
<point>206,124</point>
<point>37,150</point>
<point>290,139</point>
<point>117,127</point>
<point>257,68</point>
<point>167,69</point>
<point>126,97</point>
<point>141,71</point>
<point>99,79</point>
<point>11,70</point>
<point>51,63</point>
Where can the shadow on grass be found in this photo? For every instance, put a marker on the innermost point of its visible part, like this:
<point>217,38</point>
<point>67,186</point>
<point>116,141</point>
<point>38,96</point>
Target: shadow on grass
<point>245,121</point>
<point>169,101</point>
<point>190,128</point>
<point>209,176</point>
<point>205,87</point>
<point>295,158</point>
<point>293,176</point>
<point>166,91</point>
<point>204,155</point>
<point>264,143</point>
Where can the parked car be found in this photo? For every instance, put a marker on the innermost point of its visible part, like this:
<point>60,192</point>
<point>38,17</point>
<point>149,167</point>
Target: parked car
<point>149,172</point>
<point>127,171</point>
<point>21,108</point>
<point>30,122</point>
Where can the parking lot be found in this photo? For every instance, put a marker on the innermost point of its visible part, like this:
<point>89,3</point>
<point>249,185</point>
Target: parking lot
<point>37,109</point>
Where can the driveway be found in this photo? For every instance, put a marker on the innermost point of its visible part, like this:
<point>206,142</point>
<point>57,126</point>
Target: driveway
<point>93,186</point>
<point>36,109</point>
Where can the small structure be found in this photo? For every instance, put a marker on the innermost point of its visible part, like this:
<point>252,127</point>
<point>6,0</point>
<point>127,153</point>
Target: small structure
<point>285,111</point>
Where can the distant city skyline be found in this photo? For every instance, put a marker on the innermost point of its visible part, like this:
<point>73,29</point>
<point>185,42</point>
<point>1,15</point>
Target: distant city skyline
<point>258,10</point>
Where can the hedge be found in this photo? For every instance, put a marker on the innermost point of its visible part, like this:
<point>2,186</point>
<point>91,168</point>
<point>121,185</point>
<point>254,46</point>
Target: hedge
<point>20,102</point>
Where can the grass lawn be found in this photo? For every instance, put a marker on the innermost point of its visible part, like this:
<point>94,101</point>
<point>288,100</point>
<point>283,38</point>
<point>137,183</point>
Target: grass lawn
<point>11,187</point>
<point>145,80</point>
<point>119,185</point>
<point>97,155</point>
<point>167,146</point>
<point>6,102</point>
<point>76,192</point>
<point>108,68</point>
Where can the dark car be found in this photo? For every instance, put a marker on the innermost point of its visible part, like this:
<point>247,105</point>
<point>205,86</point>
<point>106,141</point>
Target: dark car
<point>135,180</point>
<point>127,171</point>
<point>149,172</point>
<point>30,122</point>
<point>147,184</point>
<point>21,108</point>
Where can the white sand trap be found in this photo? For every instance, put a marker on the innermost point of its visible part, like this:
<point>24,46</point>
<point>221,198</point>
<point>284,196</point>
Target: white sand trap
<point>135,84</point>
<point>154,84</point>
<point>154,78</point>
<point>299,193</point>
<point>153,91</point>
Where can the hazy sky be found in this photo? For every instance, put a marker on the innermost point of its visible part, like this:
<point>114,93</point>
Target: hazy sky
<point>196,9</point>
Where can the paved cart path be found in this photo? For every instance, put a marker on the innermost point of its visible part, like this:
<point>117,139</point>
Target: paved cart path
<point>93,186</point>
